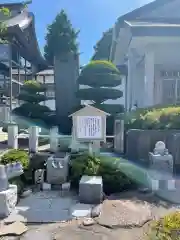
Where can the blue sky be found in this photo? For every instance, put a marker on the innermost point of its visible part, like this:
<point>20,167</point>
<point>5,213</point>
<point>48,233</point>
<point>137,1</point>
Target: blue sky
<point>92,17</point>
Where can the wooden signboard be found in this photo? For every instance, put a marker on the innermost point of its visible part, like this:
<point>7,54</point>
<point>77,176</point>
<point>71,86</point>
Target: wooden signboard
<point>89,124</point>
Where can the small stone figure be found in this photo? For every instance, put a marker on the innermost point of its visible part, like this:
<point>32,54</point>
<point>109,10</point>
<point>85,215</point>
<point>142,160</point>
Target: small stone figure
<point>160,148</point>
<point>160,159</point>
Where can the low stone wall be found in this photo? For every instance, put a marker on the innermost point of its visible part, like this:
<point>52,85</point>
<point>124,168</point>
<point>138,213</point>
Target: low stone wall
<point>140,142</point>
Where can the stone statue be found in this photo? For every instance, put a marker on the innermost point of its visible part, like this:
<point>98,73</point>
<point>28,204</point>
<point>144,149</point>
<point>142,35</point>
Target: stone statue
<point>160,149</point>
<point>160,159</point>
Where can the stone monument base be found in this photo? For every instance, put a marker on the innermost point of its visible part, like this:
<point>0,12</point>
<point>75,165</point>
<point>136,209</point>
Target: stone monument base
<point>8,200</point>
<point>90,190</point>
<point>164,185</point>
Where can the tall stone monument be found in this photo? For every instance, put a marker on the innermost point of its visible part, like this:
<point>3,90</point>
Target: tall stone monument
<point>66,72</point>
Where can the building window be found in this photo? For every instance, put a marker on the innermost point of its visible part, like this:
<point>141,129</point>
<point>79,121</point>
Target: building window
<point>170,74</point>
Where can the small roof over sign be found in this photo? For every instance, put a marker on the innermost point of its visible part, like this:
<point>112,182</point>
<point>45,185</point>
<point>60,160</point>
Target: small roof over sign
<point>91,108</point>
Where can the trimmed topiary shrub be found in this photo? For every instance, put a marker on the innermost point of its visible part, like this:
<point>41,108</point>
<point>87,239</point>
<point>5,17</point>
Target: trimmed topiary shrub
<point>113,179</point>
<point>154,118</point>
<point>167,228</point>
<point>101,76</point>
<point>16,156</point>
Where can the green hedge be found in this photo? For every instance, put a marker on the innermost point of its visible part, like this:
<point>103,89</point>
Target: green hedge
<point>23,157</point>
<point>167,228</point>
<point>19,183</point>
<point>154,118</point>
<point>113,178</point>
<point>16,156</point>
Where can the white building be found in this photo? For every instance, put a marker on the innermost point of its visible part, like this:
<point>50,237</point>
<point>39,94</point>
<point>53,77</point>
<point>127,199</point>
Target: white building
<point>147,41</point>
<point>47,77</point>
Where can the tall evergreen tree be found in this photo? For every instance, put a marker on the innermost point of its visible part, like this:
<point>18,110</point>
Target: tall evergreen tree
<point>61,38</point>
<point>103,46</point>
<point>5,12</point>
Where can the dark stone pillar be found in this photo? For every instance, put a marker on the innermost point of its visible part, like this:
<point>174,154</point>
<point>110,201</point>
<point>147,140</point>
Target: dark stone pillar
<point>66,72</point>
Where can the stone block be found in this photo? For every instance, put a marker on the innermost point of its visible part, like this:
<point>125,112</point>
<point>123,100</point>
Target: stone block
<point>8,200</point>
<point>91,189</point>
<point>46,186</point>
<point>81,210</point>
<point>56,187</point>
<point>163,163</point>
<point>57,169</point>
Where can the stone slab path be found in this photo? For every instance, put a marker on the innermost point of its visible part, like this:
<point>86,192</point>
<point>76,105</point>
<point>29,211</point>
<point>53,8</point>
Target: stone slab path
<point>117,220</point>
<point>48,206</point>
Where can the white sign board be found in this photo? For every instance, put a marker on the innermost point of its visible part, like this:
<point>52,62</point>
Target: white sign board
<point>89,127</point>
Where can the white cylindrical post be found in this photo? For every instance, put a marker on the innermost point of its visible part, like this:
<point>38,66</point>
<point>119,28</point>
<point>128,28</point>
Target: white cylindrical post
<point>119,136</point>
<point>13,136</point>
<point>90,148</point>
<point>54,139</point>
<point>33,139</point>
<point>6,114</point>
<point>74,146</point>
<point>96,145</point>
<point>3,179</point>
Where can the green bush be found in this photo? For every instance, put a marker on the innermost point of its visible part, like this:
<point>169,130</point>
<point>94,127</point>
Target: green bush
<point>154,118</point>
<point>113,179</point>
<point>83,165</point>
<point>167,228</point>
<point>19,183</point>
<point>37,161</point>
<point>16,156</point>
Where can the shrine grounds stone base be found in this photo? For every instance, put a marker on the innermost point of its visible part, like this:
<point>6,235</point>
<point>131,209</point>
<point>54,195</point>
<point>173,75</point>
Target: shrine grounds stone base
<point>48,207</point>
<point>120,219</point>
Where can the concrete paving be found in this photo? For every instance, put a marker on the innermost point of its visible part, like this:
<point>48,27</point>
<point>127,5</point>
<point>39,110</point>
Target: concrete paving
<point>80,210</point>
<point>48,206</point>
